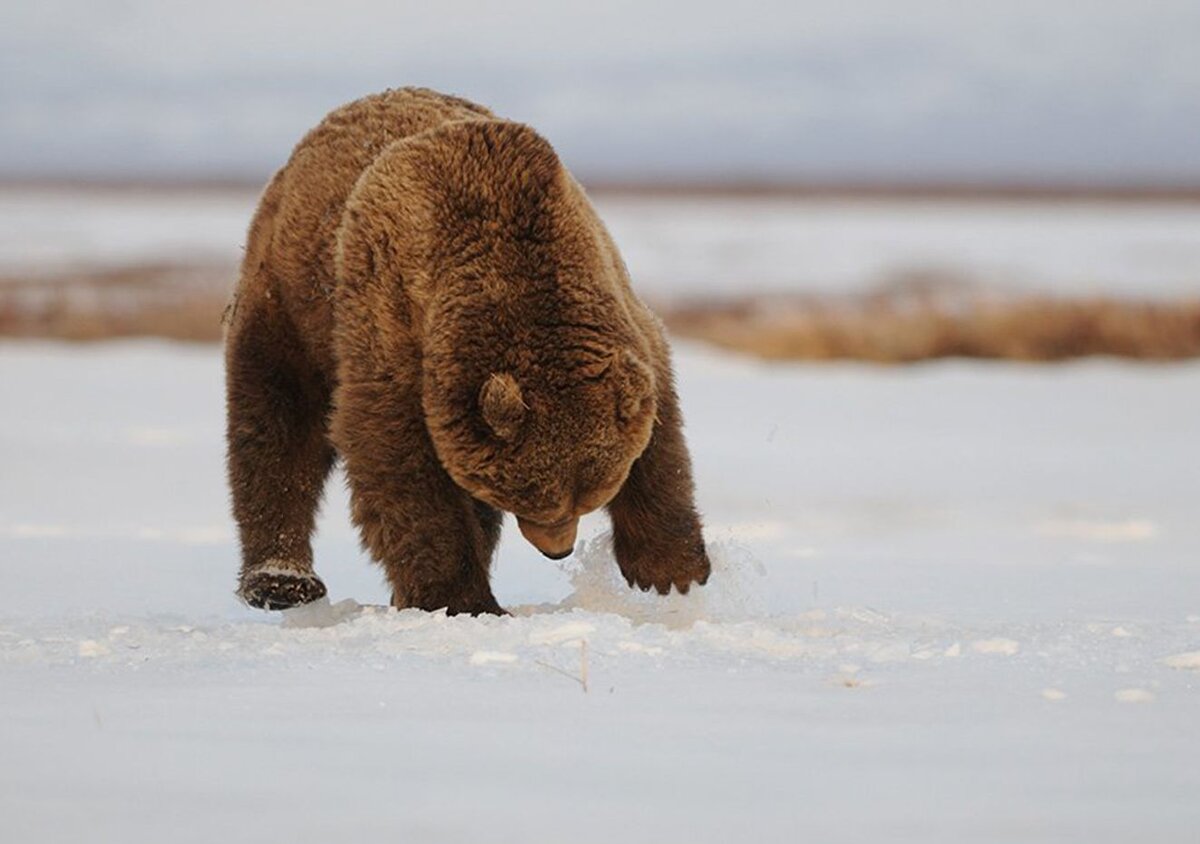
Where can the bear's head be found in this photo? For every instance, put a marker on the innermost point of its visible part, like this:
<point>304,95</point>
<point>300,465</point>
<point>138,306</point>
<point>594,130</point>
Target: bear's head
<point>545,446</point>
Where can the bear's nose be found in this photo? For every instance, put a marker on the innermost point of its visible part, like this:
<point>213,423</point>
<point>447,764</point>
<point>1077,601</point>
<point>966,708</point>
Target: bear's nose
<point>554,541</point>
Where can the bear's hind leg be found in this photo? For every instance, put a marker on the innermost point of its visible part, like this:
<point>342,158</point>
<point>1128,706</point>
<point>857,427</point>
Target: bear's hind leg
<point>278,458</point>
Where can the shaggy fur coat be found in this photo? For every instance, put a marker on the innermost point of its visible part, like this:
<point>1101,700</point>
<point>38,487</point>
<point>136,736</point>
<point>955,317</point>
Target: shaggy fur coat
<point>428,294</point>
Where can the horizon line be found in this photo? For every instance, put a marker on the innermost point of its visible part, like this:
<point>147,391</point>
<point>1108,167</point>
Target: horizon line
<point>732,187</point>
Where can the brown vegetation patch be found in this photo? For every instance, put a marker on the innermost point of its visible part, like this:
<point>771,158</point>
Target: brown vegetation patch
<point>882,330</point>
<point>910,321</point>
<point>152,300</point>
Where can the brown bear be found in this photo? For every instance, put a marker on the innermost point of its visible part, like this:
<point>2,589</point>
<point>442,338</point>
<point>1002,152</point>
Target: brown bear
<point>427,293</point>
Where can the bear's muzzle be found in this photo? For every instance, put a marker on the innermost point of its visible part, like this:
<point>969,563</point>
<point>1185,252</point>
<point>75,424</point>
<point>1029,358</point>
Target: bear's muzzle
<point>554,541</point>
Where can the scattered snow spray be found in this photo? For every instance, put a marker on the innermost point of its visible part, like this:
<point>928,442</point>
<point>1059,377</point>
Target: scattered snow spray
<point>733,592</point>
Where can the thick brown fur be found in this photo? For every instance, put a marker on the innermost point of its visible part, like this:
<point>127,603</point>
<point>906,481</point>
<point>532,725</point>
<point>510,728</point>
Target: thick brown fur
<point>428,293</point>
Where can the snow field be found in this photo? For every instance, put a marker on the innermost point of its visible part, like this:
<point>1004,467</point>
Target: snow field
<point>678,248</point>
<point>954,600</point>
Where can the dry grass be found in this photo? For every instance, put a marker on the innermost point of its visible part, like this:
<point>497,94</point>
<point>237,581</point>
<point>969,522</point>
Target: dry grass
<point>911,321</point>
<point>1029,329</point>
<point>174,302</point>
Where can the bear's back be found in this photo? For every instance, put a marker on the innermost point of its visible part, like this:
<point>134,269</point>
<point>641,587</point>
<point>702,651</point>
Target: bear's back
<point>290,247</point>
<point>317,179</point>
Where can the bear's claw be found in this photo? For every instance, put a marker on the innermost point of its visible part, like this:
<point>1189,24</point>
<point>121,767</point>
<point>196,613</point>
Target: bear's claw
<point>461,605</point>
<point>273,589</point>
<point>660,571</point>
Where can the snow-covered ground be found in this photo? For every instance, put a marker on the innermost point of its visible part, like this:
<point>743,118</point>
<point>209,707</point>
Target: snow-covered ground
<point>678,247</point>
<point>952,602</point>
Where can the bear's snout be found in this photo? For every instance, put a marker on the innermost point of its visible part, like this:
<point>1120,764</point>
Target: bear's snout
<point>554,541</point>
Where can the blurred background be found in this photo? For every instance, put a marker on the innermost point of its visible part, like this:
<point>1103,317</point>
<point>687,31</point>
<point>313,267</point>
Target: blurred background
<point>795,179</point>
<point>847,92</point>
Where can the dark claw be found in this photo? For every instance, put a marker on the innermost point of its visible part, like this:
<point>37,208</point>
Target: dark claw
<point>464,605</point>
<point>478,609</point>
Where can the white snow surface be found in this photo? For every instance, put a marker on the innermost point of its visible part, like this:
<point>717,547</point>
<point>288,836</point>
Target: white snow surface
<point>951,602</point>
<point>678,248</point>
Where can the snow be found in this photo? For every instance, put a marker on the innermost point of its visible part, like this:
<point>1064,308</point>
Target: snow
<point>1004,647</point>
<point>46,230</point>
<point>678,248</point>
<point>894,644</point>
<point>1190,661</point>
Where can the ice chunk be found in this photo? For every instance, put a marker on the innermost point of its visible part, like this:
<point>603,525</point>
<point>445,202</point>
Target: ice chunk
<point>321,613</point>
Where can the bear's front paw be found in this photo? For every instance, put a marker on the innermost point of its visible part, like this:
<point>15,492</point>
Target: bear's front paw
<point>277,588</point>
<point>679,565</point>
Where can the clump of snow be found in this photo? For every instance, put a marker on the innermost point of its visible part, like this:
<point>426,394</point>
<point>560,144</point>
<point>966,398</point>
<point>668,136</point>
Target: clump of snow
<point>33,531</point>
<point>1134,696</point>
<point>733,591</point>
<point>92,648</point>
<point>321,613</point>
<point>1188,661</point>
<point>572,631</point>
<point>1002,646</point>
<point>1054,695</point>
<point>492,657</point>
<point>1129,530</point>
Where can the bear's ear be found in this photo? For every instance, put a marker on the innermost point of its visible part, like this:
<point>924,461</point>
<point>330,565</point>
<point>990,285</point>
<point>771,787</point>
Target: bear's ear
<point>502,405</point>
<point>635,385</point>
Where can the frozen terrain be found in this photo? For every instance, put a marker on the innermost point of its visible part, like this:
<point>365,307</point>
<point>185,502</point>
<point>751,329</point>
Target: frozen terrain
<point>954,602</point>
<point>680,247</point>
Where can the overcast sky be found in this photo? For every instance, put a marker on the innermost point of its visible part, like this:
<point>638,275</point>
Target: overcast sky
<point>856,89</point>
